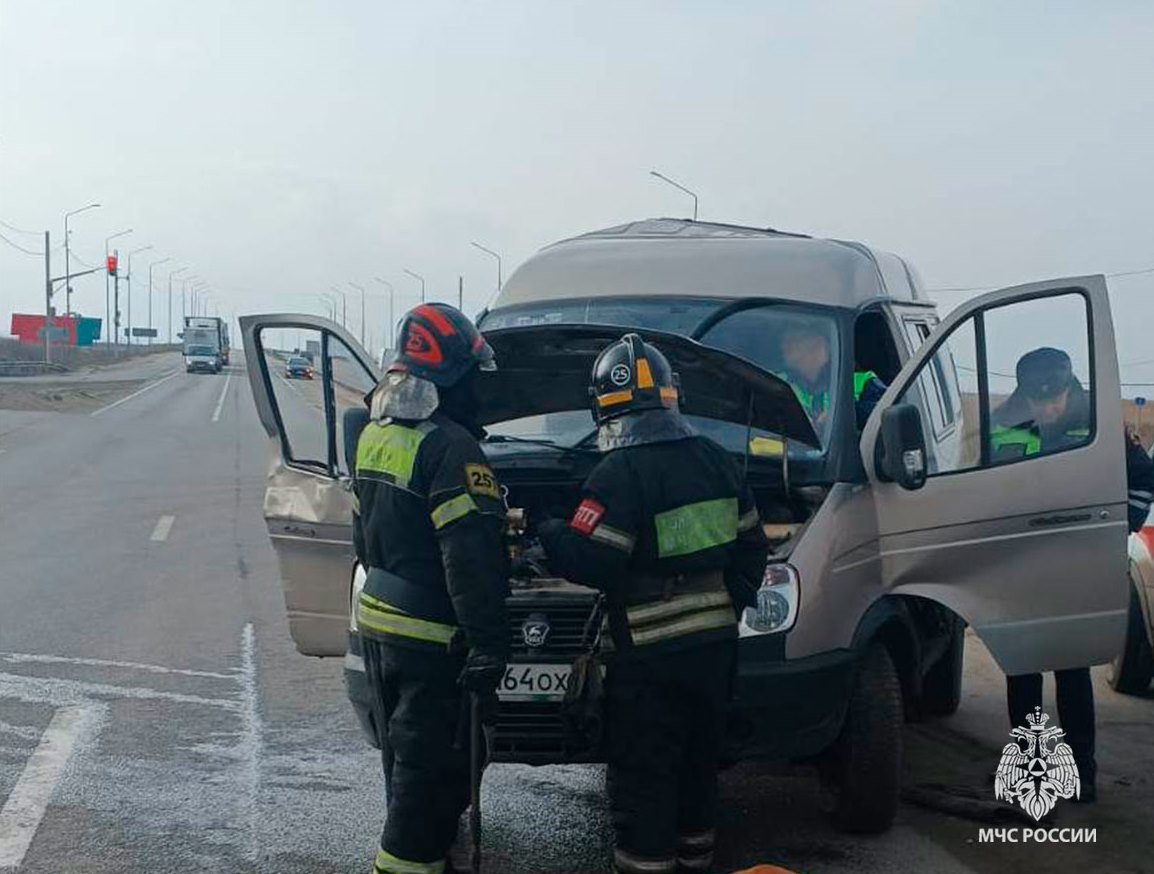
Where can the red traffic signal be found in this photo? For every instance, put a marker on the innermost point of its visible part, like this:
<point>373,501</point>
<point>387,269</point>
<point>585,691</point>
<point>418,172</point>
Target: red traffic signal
<point>112,262</point>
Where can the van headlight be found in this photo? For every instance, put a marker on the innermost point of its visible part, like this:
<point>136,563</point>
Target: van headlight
<point>777,600</point>
<point>359,577</point>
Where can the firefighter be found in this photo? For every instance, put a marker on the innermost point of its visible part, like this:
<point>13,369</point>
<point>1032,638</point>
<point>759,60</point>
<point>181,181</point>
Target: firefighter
<point>1049,411</point>
<point>432,614</point>
<point>666,528</point>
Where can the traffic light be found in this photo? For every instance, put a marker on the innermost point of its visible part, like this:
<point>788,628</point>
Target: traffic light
<point>112,262</point>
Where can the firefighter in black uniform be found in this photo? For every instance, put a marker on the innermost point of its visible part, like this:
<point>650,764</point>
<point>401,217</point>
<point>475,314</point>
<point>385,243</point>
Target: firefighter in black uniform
<point>432,614</point>
<point>667,529</point>
<point>1049,411</point>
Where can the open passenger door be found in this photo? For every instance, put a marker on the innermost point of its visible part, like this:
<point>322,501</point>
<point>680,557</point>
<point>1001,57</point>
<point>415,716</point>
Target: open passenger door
<point>308,502</point>
<point>1021,528</point>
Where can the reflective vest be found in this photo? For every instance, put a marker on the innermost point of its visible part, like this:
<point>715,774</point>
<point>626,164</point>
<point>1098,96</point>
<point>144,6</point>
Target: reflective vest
<point>816,403</point>
<point>1004,437</point>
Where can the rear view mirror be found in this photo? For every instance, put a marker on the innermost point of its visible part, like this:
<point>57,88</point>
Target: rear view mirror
<point>902,447</point>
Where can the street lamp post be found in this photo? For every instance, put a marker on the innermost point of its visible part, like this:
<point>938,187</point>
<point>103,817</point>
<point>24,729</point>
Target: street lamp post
<point>679,186</point>
<point>150,268</point>
<point>344,306</point>
<point>392,317</point>
<point>128,284</point>
<point>184,281</point>
<point>171,274</point>
<point>488,251</point>
<point>330,306</point>
<point>361,289</point>
<point>67,265</point>
<point>107,306</point>
<point>420,279</point>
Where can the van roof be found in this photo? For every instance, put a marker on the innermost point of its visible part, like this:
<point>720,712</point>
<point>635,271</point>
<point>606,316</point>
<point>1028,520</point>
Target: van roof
<point>664,256</point>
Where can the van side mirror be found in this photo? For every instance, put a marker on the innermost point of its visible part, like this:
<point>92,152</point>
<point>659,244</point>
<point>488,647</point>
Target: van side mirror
<point>902,447</point>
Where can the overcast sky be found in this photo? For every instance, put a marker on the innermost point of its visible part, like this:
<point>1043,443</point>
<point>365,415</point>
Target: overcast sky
<point>279,147</point>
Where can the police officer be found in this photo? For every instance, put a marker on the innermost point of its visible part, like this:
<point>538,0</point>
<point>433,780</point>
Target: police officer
<point>666,528</point>
<point>805,352</point>
<point>1048,411</point>
<point>432,613</point>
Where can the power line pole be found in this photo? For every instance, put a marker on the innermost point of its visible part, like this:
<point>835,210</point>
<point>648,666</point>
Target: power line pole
<point>461,293</point>
<point>47,298</point>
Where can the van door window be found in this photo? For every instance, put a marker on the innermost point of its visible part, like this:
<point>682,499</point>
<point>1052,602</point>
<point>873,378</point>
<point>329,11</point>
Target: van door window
<point>1022,389</point>
<point>294,373</point>
<point>938,383</point>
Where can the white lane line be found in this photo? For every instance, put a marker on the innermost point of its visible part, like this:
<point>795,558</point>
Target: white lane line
<point>43,690</point>
<point>163,526</point>
<point>250,745</point>
<point>26,806</point>
<point>136,393</point>
<point>220,404</point>
<point>36,658</point>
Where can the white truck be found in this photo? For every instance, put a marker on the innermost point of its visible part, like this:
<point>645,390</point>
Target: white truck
<point>206,346</point>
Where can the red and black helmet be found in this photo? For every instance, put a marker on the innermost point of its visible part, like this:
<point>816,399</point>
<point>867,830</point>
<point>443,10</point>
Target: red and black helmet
<point>437,342</point>
<point>632,375</point>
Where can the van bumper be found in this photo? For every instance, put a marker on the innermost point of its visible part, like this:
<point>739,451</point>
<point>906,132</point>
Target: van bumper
<point>783,709</point>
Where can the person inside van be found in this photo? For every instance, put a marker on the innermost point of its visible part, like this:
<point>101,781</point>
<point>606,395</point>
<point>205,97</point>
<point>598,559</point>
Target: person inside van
<point>1049,411</point>
<point>805,352</point>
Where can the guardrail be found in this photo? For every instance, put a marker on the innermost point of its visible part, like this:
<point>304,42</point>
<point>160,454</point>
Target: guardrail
<point>30,368</point>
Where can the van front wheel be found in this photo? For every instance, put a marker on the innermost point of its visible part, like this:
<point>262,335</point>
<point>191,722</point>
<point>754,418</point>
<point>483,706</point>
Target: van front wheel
<point>861,772</point>
<point>1132,668</point>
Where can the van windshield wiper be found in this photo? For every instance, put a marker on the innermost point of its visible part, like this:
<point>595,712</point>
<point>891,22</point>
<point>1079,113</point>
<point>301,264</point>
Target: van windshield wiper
<point>535,441</point>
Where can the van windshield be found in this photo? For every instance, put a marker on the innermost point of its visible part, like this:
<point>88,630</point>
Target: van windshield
<point>799,344</point>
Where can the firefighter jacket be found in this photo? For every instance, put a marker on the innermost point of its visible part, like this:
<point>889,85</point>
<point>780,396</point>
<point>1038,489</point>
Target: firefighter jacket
<point>429,531</point>
<point>667,530</point>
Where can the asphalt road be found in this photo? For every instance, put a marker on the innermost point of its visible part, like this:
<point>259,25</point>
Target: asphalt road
<point>154,716</point>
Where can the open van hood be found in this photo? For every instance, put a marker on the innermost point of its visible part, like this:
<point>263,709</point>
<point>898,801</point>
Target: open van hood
<point>545,369</point>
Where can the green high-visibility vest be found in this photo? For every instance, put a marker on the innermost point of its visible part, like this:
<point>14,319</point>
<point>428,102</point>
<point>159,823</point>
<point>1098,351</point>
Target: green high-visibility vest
<point>1004,437</point>
<point>816,403</point>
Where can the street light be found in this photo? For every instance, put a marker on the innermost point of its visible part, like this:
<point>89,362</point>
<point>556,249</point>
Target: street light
<point>194,301</point>
<point>677,185</point>
<point>392,321</point>
<point>128,283</point>
<point>67,267</point>
<point>107,310</point>
<point>150,267</point>
<point>420,279</point>
<point>344,306</point>
<point>184,281</point>
<point>361,289</point>
<point>330,306</point>
<point>171,274</point>
<point>488,251</point>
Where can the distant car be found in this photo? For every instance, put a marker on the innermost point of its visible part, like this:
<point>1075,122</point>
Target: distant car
<point>1133,668</point>
<point>298,368</point>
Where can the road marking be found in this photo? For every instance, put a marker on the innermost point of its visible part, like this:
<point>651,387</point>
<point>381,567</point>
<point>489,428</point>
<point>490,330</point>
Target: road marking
<point>26,806</point>
<point>136,393</point>
<point>220,403</point>
<point>250,744</point>
<point>36,658</point>
<point>163,526</point>
<point>47,690</point>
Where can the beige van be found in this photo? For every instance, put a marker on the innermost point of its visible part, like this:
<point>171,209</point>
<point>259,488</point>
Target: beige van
<point>893,528</point>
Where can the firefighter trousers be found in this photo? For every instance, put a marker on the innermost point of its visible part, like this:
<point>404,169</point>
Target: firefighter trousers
<point>418,702</point>
<point>665,727</point>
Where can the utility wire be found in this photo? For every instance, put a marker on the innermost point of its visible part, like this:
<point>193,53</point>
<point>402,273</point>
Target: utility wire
<point>21,248</point>
<point>4,224</point>
<point>967,288</point>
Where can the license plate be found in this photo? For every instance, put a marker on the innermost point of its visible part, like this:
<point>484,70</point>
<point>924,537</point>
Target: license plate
<point>534,682</point>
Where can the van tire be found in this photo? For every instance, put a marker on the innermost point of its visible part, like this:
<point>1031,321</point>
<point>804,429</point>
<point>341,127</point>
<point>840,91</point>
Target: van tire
<point>1132,669</point>
<point>942,684</point>
<point>861,772</point>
